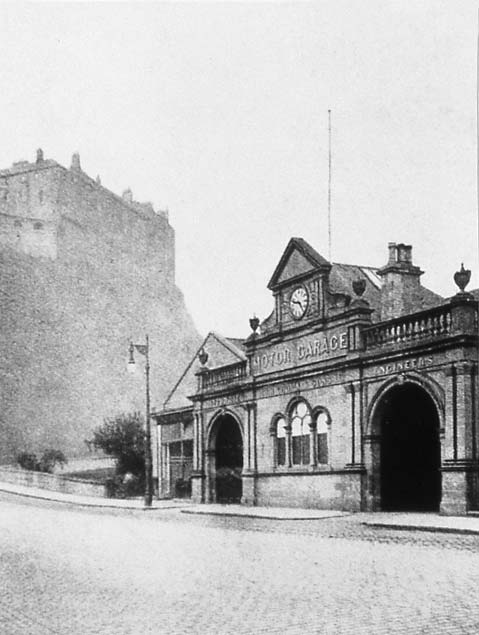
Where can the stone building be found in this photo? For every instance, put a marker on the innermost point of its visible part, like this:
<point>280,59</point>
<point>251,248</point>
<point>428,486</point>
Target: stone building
<point>358,392</point>
<point>82,271</point>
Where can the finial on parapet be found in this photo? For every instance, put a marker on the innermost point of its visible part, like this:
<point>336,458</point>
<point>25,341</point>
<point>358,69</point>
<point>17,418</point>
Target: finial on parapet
<point>359,286</point>
<point>203,357</point>
<point>462,278</point>
<point>254,323</point>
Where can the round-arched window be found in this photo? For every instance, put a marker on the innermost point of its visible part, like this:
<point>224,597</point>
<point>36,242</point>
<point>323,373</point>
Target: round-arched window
<point>300,433</point>
<point>281,441</point>
<point>322,435</point>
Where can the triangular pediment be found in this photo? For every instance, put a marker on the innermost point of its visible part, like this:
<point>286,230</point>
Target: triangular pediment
<point>298,259</point>
<point>221,352</point>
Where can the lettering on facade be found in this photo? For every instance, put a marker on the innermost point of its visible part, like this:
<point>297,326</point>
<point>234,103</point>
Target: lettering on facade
<point>278,390</point>
<point>310,383</point>
<point>301,352</point>
<point>403,365</point>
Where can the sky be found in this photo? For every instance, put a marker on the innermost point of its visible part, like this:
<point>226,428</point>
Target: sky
<point>219,112</point>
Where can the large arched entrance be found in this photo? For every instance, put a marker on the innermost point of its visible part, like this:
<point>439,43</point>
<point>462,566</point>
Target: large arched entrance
<point>228,450</point>
<point>410,450</point>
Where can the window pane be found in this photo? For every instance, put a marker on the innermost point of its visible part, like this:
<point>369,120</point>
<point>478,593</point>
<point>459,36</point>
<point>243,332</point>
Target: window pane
<point>306,449</point>
<point>175,448</point>
<point>296,427</point>
<point>296,443</point>
<point>188,448</point>
<point>280,431</point>
<point>322,423</point>
<point>323,447</point>
<point>281,451</point>
<point>301,409</point>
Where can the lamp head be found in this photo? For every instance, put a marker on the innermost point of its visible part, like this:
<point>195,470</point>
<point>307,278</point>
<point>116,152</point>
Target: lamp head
<point>131,360</point>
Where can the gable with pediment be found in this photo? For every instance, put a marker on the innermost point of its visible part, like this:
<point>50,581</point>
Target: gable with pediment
<point>296,265</point>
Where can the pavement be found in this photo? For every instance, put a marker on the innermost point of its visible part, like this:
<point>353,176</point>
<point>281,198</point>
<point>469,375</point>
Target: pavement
<point>88,501</point>
<point>412,521</point>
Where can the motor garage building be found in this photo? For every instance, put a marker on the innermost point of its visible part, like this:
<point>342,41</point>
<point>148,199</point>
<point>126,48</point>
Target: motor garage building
<point>358,392</point>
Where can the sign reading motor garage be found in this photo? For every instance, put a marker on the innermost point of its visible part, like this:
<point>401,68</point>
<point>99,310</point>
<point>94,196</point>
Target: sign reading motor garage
<point>301,351</point>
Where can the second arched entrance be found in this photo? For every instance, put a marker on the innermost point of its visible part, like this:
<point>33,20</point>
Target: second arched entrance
<point>227,448</point>
<point>410,450</point>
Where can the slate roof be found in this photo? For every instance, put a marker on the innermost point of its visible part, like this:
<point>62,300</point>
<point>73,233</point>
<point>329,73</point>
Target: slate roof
<point>342,276</point>
<point>341,280</point>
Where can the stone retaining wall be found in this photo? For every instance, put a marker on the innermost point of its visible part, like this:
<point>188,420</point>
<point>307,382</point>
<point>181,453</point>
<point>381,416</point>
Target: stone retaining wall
<point>52,482</point>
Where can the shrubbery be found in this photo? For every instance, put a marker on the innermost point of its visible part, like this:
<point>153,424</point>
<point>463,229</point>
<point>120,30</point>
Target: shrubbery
<point>46,463</point>
<point>123,438</point>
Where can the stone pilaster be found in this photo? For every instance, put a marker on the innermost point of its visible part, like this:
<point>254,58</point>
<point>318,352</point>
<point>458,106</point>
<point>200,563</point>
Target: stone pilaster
<point>250,457</point>
<point>210,475</point>
<point>371,480</point>
<point>460,483</point>
<point>198,474</point>
<point>353,389</point>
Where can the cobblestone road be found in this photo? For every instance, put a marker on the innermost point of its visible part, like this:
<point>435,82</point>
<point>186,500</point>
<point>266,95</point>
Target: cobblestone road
<point>81,572</point>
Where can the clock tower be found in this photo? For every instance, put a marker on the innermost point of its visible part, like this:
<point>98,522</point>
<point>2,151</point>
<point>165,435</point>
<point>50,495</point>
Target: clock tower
<point>299,285</point>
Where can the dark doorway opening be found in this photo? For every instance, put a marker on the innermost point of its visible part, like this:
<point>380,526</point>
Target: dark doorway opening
<point>229,461</point>
<point>410,450</point>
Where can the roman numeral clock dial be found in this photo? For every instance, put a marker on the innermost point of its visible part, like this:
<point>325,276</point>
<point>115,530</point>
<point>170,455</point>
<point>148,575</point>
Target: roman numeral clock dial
<point>298,302</point>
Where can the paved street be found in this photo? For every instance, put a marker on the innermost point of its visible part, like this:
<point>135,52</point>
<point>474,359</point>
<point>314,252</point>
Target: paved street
<point>90,571</point>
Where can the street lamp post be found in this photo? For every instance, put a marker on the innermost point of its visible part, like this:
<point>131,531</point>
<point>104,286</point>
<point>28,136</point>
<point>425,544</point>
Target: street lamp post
<point>143,349</point>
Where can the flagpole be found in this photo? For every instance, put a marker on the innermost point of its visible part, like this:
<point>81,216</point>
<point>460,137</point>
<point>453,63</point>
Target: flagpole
<point>329,185</point>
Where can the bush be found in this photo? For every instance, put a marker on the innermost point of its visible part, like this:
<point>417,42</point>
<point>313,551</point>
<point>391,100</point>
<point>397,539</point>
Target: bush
<point>49,459</point>
<point>123,438</point>
<point>121,487</point>
<point>28,461</point>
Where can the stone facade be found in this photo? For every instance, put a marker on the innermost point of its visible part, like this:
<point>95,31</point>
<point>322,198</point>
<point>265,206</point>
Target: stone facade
<point>82,271</point>
<point>359,391</point>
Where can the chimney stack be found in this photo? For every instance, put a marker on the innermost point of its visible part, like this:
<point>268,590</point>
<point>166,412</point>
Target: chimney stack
<point>39,155</point>
<point>75,162</point>
<point>400,291</point>
<point>127,196</point>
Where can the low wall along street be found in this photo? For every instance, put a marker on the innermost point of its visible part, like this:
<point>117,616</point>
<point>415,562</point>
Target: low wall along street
<point>51,482</point>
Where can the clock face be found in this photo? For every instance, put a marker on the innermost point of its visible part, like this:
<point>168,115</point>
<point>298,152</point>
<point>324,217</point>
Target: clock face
<point>298,302</point>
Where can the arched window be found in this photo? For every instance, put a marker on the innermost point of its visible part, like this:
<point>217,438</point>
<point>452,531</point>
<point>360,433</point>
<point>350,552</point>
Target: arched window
<point>300,433</point>
<point>322,436</point>
<point>280,426</point>
<point>37,225</point>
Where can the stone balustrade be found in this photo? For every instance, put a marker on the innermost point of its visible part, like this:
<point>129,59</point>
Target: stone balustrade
<point>224,375</point>
<point>417,326</point>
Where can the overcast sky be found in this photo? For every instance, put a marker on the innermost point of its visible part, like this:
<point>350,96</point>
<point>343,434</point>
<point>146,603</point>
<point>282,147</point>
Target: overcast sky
<point>219,112</point>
